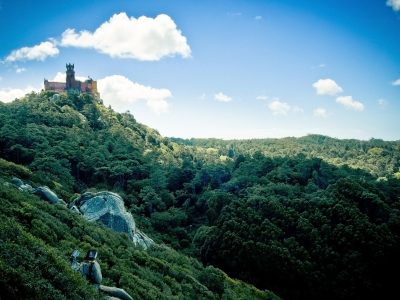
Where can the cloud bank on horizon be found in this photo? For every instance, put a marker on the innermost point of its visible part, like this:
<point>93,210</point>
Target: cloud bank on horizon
<point>8,95</point>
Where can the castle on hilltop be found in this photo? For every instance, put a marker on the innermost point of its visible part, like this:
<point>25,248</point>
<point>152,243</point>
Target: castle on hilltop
<point>71,84</point>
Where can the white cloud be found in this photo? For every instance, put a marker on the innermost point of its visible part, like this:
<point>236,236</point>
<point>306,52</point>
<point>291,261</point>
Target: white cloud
<point>258,17</point>
<point>262,97</point>
<point>20,70</point>
<point>395,4</point>
<point>320,112</point>
<point>278,107</point>
<point>349,103</point>
<point>297,109</point>
<point>8,95</point>
<point>382,103</point>
<point>396,82</point>
<point>221,97</point>
<point>119,91</point>
<point>319,66</point>
<point>60,77</point>
<point>202,97</point>
<point>123,37</point>
<point>327,87</point>
<point>234,14</point>
<point>38,52</point>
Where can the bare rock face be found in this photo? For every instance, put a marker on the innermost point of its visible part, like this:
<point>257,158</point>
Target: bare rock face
<point>109,208</point>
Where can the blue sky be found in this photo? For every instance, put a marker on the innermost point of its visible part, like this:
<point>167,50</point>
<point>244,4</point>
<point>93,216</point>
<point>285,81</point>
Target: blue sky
<point>224,69</point>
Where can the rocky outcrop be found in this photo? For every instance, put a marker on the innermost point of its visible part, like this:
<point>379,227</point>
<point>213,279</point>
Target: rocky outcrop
<point>92,272</point>
<point>48,195</point>
<point>108,208</point>
<point>43,192</point>
<point>20,184</point>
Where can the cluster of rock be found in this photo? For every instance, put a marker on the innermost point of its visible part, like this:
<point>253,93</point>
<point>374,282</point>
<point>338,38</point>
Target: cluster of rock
<point>21,186</point>
<point>109,208</point>
<point>106,207</point>
<point>43,192</point>
<point>92,272</point>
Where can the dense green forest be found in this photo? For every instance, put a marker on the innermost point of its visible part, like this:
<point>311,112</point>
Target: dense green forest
<point>374,156</point>
<point>305,218</point>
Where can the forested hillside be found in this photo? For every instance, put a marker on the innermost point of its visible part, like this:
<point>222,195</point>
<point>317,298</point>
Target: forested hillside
<point>307,218</point>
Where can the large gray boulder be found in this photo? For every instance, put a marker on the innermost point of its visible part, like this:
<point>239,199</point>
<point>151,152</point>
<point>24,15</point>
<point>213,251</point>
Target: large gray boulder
<point>108,208</point>
<point>48,195</point>
<point>16,181</point>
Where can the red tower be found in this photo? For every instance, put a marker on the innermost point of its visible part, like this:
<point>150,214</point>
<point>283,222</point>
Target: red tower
<point>70,80</point>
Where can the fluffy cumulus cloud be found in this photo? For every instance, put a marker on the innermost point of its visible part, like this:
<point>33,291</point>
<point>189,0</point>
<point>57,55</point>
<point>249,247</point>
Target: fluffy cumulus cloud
<point>395,4</point>
<point>258,18</point>
<point>20,70</point>
<point>222,98</point>
<point>320,112</point>
<point>60,77</point>
<point>396,82</point>
<point>123,37</point>
<point>278,107</point>
<point>38,52</point>
<point>327,87</point>
<point>262,97</point>
<point>350,103</point>
<point>8,95</point>
<point>118,91</point>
